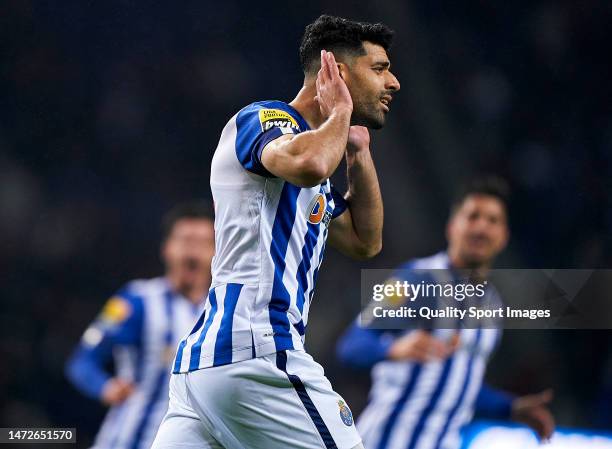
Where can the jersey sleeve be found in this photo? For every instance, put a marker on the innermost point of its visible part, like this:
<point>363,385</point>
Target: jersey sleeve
<point>362,348</point>
<point>340,204</point>
<point>494,403</point>
<point>255,128</point>
<point>119,324</point>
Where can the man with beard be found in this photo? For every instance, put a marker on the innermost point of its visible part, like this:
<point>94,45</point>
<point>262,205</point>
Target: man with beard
<point>140,326</point>
<point>427,383</point>
<point>242,378</point>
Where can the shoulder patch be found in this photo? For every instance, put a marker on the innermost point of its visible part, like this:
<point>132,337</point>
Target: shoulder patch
<point>276,118</point>
<point>116,310</point>
<point>345,413</point>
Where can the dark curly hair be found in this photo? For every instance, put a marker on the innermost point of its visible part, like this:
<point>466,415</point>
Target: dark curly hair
<point>488,184</point>
<point>340,36</point>
<point>196,209</point>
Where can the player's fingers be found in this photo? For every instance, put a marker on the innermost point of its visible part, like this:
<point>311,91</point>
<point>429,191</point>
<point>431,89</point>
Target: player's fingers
<point>421,355</point>
<point>544,397</point>
<point>436,346</point>
<point>545,423</point>
<point>323,62</point>
<point>454,341</point>
<point>333,66</point>
<point>432,349</point>
<point>327,67</point>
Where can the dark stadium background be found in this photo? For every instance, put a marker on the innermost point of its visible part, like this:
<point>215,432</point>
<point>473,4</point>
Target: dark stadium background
<point>110,112</point>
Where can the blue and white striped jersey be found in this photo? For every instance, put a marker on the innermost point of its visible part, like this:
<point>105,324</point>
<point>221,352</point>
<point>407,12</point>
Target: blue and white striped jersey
<point>270,237</point>
<point>139,328</point>
<point>423,405</point>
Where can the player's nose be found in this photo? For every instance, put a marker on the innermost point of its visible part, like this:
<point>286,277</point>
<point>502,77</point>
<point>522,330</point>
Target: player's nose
<point>393,83</point>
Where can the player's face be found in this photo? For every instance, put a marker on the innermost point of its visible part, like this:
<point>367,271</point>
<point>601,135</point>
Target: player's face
<point>478,230</point>
<point>189,249</point>
<point>371,85</point>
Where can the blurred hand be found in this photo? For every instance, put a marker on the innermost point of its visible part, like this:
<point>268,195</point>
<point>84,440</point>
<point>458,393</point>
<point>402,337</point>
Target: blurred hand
<point>332,93</point>
<point>532,411</point>
<point>421,346</point>
<point>116,390</point>
<point>358,139</point>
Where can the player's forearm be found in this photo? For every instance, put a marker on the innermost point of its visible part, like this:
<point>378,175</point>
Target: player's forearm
<point>365,200</point>
<point>85,372</point>
<point>322,149</point>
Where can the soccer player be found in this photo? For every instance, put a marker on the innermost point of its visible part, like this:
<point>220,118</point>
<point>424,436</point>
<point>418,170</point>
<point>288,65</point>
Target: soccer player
<point>140,326</point>
<point>426,384</point>
<point>242,379</point>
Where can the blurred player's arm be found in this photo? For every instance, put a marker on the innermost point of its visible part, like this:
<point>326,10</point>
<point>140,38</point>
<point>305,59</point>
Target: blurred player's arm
<point>530,409</point>
<point>362,348</point>
<point>494,403</point>
<point>358,231</point>
<point>309,158</point>
<point>119,323</point>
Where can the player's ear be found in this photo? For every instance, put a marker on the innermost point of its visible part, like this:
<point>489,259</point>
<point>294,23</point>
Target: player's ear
<point>343,69</point>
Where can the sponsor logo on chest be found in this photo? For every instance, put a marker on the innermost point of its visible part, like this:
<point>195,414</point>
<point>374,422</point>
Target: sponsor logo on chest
<point>317,210</point>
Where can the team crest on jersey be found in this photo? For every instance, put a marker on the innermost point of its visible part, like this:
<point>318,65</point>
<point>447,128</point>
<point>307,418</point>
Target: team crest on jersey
<point>345,413</point>
<point>317,210</point>
<point>276,118</point>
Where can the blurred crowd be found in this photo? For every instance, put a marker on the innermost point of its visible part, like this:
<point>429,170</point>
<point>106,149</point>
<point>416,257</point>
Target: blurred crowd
<point>111,112</point>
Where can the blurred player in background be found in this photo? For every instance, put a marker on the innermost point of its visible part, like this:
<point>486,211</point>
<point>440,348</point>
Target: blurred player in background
<point>140,326</point>
<point>426,384</point>
<point>274,209</point>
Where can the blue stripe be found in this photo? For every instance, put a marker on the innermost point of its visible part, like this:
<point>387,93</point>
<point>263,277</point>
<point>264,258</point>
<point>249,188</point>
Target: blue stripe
<point>461,397</point>
<point>170,315</point>
<point>162,377</point>
<point>122,411</point>
<point>412,380</point>
<point>223,345</point>
<point>281,232</point>
<point>196,350</point>
<point>179,352</point>
<point>298,385</point>
<point>433,402</point>
<point>316,271</point>
<point>299,326</point>
<point>330,204</point>
<point>310,240</point>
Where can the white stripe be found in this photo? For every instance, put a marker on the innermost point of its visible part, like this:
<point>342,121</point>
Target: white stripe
<point>208,346</point>
<point>448,398</point>
<point>383,399</point>
<point>193,338</point>
<point>155,321</point>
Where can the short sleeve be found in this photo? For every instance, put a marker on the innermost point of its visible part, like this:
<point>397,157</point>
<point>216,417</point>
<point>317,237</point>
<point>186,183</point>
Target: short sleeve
<point>340,204</point>
<point>119,323</point>
<point>255,128</point>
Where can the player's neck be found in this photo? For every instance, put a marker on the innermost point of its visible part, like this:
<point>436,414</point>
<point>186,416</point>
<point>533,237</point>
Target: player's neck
<point>456,261</point>
<point>306,105</point>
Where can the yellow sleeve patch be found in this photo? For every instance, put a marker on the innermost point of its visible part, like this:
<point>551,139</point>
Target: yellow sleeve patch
<point>116,310</point>
<point>276,118</point>
<point>395,299</point>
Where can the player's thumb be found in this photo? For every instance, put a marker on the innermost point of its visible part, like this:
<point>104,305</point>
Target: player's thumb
<point>544,397</point>
<point>454,341</point>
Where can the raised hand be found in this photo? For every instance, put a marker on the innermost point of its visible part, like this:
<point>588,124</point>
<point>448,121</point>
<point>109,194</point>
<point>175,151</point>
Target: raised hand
<point>332,93</point>
<point>422,347</point>
<point>116,390</point>
<point>533,411</point>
